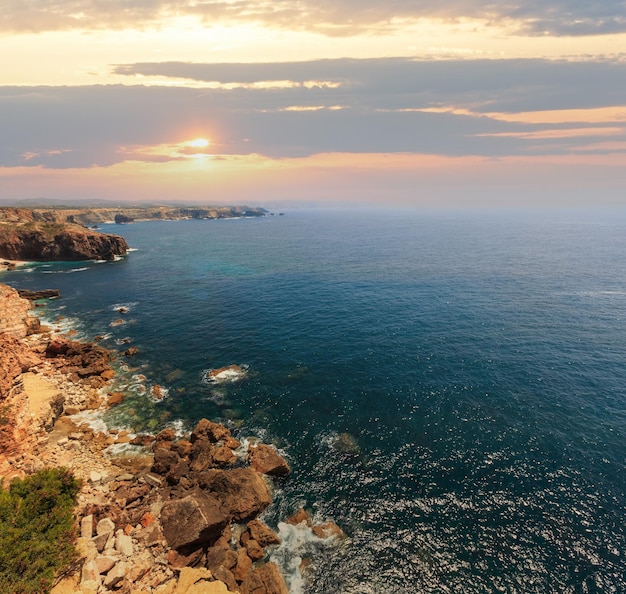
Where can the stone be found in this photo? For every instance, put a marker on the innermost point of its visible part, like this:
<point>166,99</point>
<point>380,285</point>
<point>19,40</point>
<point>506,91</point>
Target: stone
<point>214,432</point>
<point>178,561</point>
<point>154,480</point>
<point>223,457</point>
<point>147,519</point>
<point>117,574</point>
<point>262,533</point>
<point>164,459</point>
<point>196,581</point>
<point>124,544</point>
<point>105,563</point>
<point>105,526</point>
<point>226,576</point>
<point>242,491</point>
<point>192,521</point>
<point>267,460</point>
<point>86,526</point>
<point>299,517</point>
<point>328,530</point>
<point>243,567</point>
<point>100,540</point>
<point>90,573</point>
<point>220,557</point>
<point>255,550</point>
<point>264,580</point>
<point>115,398</point>
<point>95,477</point>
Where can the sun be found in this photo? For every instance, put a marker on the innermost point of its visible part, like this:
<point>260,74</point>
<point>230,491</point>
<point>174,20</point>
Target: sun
<point>198,143</point>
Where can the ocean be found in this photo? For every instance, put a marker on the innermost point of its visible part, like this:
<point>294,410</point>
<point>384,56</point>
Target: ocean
<point>448,386</point>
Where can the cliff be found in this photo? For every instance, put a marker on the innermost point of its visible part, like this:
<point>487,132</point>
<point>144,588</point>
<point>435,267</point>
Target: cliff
<point>96,216</point>
<point>25,239</point>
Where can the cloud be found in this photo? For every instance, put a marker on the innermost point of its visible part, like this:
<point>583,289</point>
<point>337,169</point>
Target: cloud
<point>452,108</point>
<point>329,17</point>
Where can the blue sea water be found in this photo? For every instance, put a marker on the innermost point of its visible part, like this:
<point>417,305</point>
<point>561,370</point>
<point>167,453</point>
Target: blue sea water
<point>449,387</point>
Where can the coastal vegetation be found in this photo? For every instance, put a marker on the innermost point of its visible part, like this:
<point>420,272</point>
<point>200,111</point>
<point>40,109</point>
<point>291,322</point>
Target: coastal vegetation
<point>36,530</point>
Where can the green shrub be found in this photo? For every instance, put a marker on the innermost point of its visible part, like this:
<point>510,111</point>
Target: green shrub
<point>36,530</point>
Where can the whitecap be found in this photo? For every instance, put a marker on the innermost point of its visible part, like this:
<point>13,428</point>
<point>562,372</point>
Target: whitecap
<point>297,542</point>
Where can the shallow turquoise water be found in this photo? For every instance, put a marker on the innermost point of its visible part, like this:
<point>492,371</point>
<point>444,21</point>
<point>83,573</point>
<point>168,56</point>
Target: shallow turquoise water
<point>477,361</point>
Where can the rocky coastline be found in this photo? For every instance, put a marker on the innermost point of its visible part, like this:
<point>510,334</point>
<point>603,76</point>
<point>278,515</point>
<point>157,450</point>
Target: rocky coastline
<point>177,515</point>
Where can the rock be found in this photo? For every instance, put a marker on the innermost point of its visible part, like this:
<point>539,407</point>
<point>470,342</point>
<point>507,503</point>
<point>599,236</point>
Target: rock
<point>262,533</point>
<point>192,521</point>
<point>157,392</point>
<point>117,574</point>
<point>105,526</point>
<point>264,580</point>
<point>230,373</point>
<point>45,242</point>
<point>90,573</point>
<point>219,557</point>
<point>226,576</point>
<point>243,567</point>
<point>328,530</point>
<point>241,491</point>
<point>147,519</point>
<point>86,526</point>
<point>164,460</point>
<point>347,444</point>
<point>214,432</point>
<point>267,460</point>
<point>196,581</point>
<point>299,517</point>
<point>124,544</point>
<point>223,457</point>
<point>105,563</point>
<point>115,398</point>
<point>131,352</point>
<point>178,561</point>
<point>255,550</point>
<point>42,294</point>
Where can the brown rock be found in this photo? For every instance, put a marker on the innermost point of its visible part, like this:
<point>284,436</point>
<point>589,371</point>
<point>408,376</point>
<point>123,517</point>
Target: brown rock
<point>182,447</point>
<point>262,533</point>
<point>242,491</point>
<point>166,435</point>
<point>164,460</point>
<point>214,432</point>
<point>299,517</point>
<point>178,560</point>
<point>115,398</point>
<point>226,576</point>
<point>243,567</point>
<point>327,530</point>
<point>223,457</point>
<point>255,550</point>
<point>131,351</point>
<point>267,460</point>
<point>264,580</point>
<point>192,521</point>
<point>219,557</point>
<point>147,519</point>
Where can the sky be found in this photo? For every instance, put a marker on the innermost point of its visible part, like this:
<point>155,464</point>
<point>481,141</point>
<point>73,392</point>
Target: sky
<point>433,103</point>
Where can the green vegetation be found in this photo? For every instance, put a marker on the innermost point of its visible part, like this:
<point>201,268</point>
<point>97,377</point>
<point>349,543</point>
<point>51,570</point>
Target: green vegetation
<point>36,530</point>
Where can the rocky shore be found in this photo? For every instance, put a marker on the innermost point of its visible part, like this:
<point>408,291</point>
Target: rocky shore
<point>172,514</point>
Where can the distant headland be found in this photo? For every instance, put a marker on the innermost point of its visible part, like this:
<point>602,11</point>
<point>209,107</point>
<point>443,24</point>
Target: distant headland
<point>69,233</point>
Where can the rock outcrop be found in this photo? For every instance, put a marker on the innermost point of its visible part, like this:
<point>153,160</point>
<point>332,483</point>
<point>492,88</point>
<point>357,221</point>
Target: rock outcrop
<point>45,242</point>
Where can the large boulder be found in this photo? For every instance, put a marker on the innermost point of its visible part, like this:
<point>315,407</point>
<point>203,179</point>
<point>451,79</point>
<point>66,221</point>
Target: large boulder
<point>193,521</point>
<point>264,580</point>
<point>242,491</point>
<point>267,460</point>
